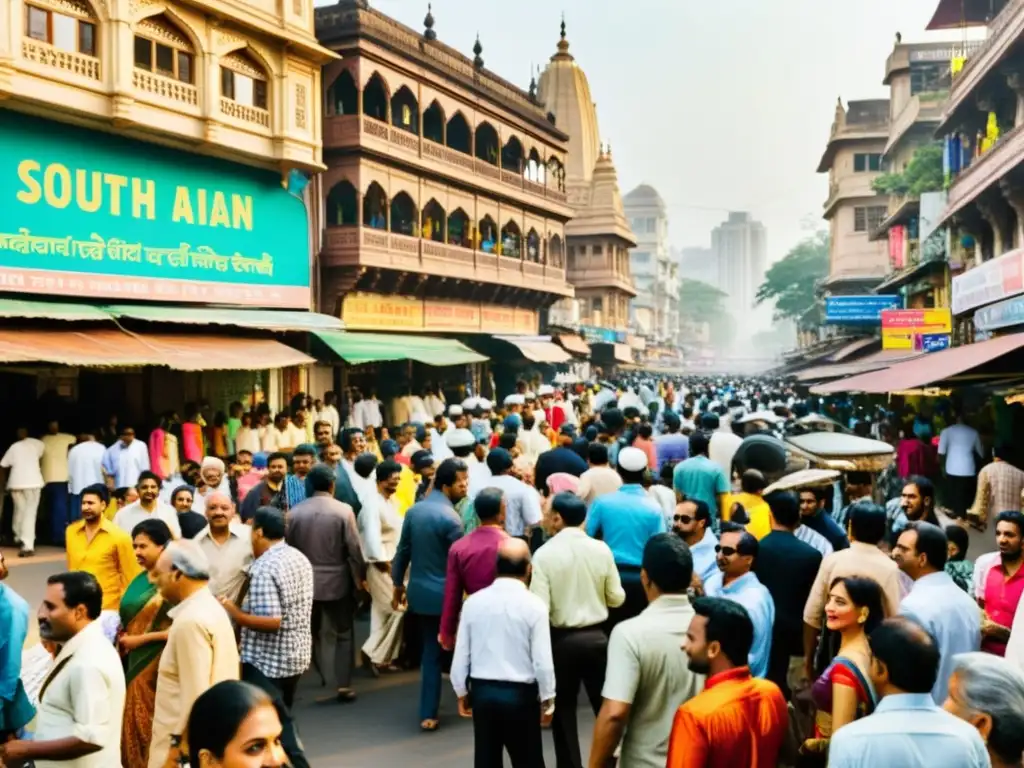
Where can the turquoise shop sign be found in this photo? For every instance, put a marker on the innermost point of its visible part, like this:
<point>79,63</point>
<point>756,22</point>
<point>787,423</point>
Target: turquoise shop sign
<point>89,214</point>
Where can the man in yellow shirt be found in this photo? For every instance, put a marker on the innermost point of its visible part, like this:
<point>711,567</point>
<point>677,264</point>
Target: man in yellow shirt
<point>97,546</point>
<point>759,515</point>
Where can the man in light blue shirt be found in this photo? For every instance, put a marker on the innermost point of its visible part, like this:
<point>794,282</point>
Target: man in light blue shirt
<point>736,581</point>
<point>936,602</point>
<point>906,729</point>
<point>700,478</point>
<point>626,520</point>
<point>14,616</point>
<point>126,459</point>
<point>692,523</point>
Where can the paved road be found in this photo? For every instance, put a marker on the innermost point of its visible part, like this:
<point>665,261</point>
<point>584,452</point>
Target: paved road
<point>381,729</point>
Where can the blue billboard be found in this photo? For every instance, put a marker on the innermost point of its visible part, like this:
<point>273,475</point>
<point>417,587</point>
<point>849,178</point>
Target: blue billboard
<point>859,310</point>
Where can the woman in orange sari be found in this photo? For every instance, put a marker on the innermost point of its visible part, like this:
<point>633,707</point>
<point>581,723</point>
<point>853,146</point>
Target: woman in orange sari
<point>144,625</point>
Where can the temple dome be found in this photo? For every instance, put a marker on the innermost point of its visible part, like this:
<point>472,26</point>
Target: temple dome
<point>601,211</point>
<point>646,196</point>
<point>563,90</point>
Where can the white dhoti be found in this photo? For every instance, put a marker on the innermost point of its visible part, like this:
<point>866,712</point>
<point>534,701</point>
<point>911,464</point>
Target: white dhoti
<point>385,640</point>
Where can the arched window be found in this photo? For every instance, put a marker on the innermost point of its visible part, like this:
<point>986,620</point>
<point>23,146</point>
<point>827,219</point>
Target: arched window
<point>403,215</point>
<point>534,168</point>
<point>458,136</point>
<point>375,207</point>
<point>405,111</point>
<point>555,252</point>
<point>511,240</point>
<point>487,143</point>
<point>512,155</point>
<point>533,246</point>
<point>375,98</point>
<point>243,80</point>
<point>487,234</point>
<point>460,231</point>
<point>433,123</point>
<point>160,47</point>
<point>433,221</point>
<point>343,96</point>
<point>342,209</point>
<point>556,173</point>
<point>73,29</point>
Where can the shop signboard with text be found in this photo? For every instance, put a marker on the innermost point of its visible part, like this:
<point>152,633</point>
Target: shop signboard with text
<point>920,329</point>
<point>88,214</point>
<point>988,282</point>
<point>858,310</point>
<point>376,312</point>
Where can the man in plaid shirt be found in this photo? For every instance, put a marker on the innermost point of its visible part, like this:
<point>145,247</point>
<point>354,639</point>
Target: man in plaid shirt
<point>275,621</point>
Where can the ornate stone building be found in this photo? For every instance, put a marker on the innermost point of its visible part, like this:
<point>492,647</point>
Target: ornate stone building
<point>445,202</point>
<point>598,236</point>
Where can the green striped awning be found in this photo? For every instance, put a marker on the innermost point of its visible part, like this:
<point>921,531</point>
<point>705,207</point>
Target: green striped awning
<point>262,319</point>
<point>356,348</point>
<point>50,310</point>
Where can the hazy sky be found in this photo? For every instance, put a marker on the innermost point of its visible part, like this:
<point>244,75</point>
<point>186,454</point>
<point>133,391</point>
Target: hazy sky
<point>719,105</point>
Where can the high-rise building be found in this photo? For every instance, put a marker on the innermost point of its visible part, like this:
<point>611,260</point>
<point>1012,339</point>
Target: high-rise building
<point>598,235</point>
<point>739,250</point>
<point>655,274</point>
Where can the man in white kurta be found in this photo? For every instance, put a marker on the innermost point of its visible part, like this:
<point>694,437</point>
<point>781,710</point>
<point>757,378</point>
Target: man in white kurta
<point>200,651</point>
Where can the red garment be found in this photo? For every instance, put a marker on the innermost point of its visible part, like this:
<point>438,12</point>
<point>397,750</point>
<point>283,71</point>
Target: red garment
<point>1001,598</point>
<point>472,565</point>
<point>916,457</point>
<point>737,721</point>
<point>554,416</point>
<point>647,446</point>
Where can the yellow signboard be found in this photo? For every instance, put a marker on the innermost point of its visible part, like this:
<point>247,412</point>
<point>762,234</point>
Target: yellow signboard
<point>915,328</point>
<point>375,312</point>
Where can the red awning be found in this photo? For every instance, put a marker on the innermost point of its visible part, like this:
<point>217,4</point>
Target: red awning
<point>883,359</point>
<point>108,348</point>
<point>926,369</point>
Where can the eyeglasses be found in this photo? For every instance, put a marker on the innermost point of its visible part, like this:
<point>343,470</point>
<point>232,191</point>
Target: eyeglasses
<point>687,519</point>
<point>727,551</point>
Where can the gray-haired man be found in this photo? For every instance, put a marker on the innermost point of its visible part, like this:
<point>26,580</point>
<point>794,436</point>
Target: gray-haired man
<point>200,649</point>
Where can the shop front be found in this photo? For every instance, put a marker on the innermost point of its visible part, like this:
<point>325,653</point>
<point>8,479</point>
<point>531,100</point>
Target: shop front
<point>113,250</point>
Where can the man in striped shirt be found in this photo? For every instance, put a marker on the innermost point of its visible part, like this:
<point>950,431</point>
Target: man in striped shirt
<point>1000,488</point>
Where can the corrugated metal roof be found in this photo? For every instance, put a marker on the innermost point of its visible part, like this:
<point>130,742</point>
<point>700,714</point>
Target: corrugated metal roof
<point>356,348</point>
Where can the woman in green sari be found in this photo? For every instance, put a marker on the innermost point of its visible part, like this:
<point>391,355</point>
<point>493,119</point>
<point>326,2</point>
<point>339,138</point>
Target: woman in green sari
<point>144,625</point>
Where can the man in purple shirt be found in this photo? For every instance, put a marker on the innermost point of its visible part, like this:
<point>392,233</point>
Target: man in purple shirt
<point>673,446</point>
<point>473,561</point>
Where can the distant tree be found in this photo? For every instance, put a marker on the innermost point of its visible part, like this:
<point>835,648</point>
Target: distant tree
<point>922,174</point>
<point>700,301</point>
<point>789,283</point>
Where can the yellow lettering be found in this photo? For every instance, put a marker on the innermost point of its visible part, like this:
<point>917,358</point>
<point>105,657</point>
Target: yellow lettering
<point>202,206</point>
<point>82,196</point>
<point>241,212</point>
<point>143,197</point>
<point>182,206</point>
<point>33,192</point>
<point>56,172</point>
<point>219,211</point>
<point>116,184</point>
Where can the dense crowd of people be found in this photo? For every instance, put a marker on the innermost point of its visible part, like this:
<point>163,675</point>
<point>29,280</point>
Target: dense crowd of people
<point>715,609</point>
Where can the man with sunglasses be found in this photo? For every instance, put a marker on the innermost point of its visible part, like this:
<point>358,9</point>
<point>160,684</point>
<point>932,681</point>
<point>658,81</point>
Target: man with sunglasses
<point>737,552</point>
<point>692,523</point>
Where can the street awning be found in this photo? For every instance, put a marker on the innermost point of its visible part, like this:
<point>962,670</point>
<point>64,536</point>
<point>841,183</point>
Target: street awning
<point>111,348</point>
<point>882,359</point>
<point>852,348</point>
<point>262,319</point>
<point>574,344</point>
<point>357,348</point>
<point>927,369</point>
<point>623,353</point>
<point>537,349</point>
<point>50,310</point>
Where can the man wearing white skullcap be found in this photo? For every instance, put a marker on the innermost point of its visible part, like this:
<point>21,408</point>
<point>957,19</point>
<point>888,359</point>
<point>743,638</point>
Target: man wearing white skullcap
<point>625,520</point>
<point>211,472</point>
<point>514,403</point>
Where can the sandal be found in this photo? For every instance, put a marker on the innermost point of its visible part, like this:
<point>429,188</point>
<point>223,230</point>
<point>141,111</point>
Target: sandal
<point>346,696</point>
<point>429,725</point>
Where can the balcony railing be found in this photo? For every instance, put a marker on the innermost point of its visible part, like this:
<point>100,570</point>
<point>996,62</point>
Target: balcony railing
<point>350,245</point>
<point>75,63</point>
<point>165,87</point>
<point>1003,31</point>
<point>349,130</point>
<point>986,170</point>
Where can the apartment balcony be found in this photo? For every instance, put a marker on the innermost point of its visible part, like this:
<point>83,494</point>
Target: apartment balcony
<point>364,248</point>
<point>351,132</point>
<point>1003,157</point>
<point>853,186</point>
<point>1003,32</point>
<point>601,279</point>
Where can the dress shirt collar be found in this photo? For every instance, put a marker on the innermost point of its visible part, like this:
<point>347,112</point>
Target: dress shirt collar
<point>571,532</point>
<point>633,488</point>
<point>866,549</point>
<point>105,525</point>
<point>668,603</point>
<point>76,642</point>
<point>195,597</point>
<point>709,540</point>
<point>745,581</point>
<point>508,584</point>
<point>893,701</point>
<point>437,497</point>
<point>274,547</point>
<point>736,673</point>
<point>936,579</point>
<point>235,530</point>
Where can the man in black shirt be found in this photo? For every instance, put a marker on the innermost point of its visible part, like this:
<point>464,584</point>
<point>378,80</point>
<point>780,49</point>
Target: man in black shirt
<point>787,567</point>
<point>560,459</point>
<point>814,516</point>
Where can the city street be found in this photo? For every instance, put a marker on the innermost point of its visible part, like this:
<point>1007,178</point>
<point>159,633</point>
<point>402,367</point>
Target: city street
<point>381,729</point>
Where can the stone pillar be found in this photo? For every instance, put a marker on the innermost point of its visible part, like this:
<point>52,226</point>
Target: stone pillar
<point>1015,79</point>
<point>997,221</point>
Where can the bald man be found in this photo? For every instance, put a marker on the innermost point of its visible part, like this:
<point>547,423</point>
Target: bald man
<point>227,544</point>
<point>510,695</point>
